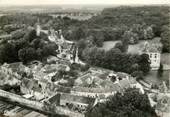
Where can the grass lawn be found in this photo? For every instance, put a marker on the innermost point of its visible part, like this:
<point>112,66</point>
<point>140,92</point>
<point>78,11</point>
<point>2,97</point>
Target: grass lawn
<point>136,48</point>
<point>107,45</point>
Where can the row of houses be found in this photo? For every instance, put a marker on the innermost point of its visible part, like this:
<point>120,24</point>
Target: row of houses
<point>100,85</point>
<point>74,97</point>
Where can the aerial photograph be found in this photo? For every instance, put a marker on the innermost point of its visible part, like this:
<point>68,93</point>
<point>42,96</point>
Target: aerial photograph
<point>84,58</point>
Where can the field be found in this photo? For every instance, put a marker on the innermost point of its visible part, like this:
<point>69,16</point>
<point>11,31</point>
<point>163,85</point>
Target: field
<point>134,49</point>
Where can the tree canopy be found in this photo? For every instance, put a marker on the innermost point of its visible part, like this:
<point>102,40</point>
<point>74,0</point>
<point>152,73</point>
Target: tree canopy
<point>131,103</point>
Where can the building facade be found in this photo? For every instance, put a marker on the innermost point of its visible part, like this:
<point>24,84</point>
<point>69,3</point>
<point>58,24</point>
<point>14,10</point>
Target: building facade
<point>153,50</point>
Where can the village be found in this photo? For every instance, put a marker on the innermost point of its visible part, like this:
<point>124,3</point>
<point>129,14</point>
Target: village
<point>56,89</point>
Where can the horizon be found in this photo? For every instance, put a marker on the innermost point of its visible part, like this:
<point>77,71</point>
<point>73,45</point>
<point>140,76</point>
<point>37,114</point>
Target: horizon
<point>82,3</point>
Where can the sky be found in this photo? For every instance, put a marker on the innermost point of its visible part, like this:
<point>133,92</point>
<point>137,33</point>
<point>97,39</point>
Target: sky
<point>101,2</point>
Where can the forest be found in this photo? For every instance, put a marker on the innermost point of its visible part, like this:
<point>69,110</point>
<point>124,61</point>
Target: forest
<point>125,23</point>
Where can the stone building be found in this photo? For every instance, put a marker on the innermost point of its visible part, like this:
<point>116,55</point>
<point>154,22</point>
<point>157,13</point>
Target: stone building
<point>102,83</point>
<point>153,49</point>
<point>73,102</point>
<point>32,87</point>
<point>12,73</point>
<point>7,36</point>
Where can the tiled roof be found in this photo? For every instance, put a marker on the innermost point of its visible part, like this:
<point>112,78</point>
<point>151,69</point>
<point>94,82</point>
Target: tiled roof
<point>5,36</point>
<point>95,90</point>
<point>122,75</point>
<point>58,88</point>
<point>75,98</point>
<point>31,84</point>
<point>132,80</point>
<point>124,83</point>
<point>16,66</point>
<point>153,45</point>
<point>54,98</point>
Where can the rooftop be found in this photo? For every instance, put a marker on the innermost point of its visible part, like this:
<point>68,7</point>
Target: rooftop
<point>115,87</point>
<point>71,98</point>
<point>31,84</point>
<point>153,45</point>
<point>78,99</point>
<point>5,36</point>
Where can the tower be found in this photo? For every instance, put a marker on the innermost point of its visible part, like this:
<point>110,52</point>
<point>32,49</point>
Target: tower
<point>38,28</point>
<point>76,57</point>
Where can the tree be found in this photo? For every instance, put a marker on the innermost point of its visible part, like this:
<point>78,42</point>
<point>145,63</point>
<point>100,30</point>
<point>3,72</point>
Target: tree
<point>119,45</point>
<point>49,49</point>
<point>160,70</point>
<point>31,35</point>
<point>125,41</point>
<point>131,37</point>
<point>148,33</point>
<point>35,43</point>
<point>79,34</point>
<point>18,34</point>
<point>130,103</point>
<point>97,37</point>
<point>116,60</point>
<point>112,59</point>
<point>39,53</point>
<point>94,56</point>
<point>59,75</point>
<point>27,54</point>
<point>138,75</point>
<point>8,53</point>
<point>165,39</point>
<point>144,63</point>
<point>139,30</point>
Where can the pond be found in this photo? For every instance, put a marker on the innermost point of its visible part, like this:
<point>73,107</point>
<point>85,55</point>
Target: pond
<point>153,78</point>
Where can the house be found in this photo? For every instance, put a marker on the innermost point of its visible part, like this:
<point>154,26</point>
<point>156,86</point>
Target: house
<point>153,49</point>
<point>52,59</point>
<point>100,84</point>
<point>73,102</point>
<point>99,93</point>
<point>6,36</point>
<point>31,86</point>
<point>12,73</point>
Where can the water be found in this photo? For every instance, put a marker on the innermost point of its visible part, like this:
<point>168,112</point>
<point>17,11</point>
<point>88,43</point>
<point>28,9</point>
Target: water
<point>153,78</point>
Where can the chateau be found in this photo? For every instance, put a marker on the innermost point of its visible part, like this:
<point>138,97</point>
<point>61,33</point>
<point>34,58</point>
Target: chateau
<point>153,49</point>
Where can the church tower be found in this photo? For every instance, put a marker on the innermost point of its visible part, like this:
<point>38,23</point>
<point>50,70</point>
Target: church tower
<point>76,57</point>
<point>38,28</point>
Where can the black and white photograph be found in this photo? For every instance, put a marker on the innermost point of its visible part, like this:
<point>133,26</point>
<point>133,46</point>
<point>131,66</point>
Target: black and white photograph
<point>84,58</point>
